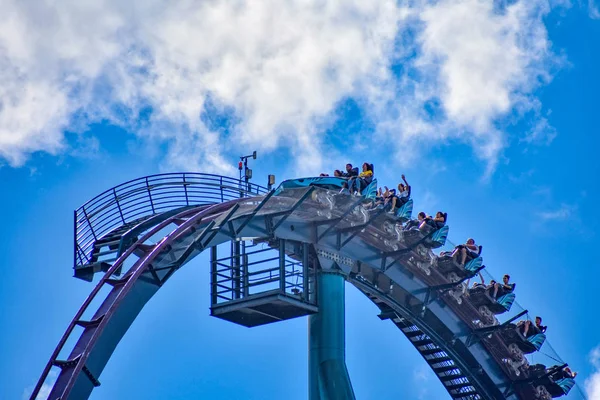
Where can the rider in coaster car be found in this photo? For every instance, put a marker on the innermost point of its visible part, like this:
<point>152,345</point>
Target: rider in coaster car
<point>414,224</point>
<point>482,284</point>
<point>380,199</point>
<point>398,200</point>
<point>431,223</point>
<point>504,288</point>
<point>357,184</point>
<point>469,249</point>
<point>529,329</point>
<point>383,197</point>
<point>350,172</point>
<point>344,189</point>
<point>566,372</point>
<point>389,200</point>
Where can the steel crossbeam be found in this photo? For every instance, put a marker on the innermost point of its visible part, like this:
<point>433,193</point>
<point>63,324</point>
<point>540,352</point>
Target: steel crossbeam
<point>154,275</point>
<point>196,244</point>
<point>293,208</point>
<point>407,250</point>
<point>337,220</point>
<point>480,332</point>
<point>356,229</point>
<point>446,286</point>
<point>215,231</point>
<point>521,382</point>
<point>254,212</point>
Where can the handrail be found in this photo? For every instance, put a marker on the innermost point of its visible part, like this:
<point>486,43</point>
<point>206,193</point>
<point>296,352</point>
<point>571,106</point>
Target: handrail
<point>144,197</point>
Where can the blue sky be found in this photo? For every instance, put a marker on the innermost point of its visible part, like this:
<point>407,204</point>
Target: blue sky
<point>490,111</point>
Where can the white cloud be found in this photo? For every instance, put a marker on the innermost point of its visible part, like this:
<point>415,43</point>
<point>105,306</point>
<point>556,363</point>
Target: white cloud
<point>562,213</point>
<point>542,133</point>
<point>480,65</point>
<point>594,9</point>
<point>45,390</point>
<point>281,68</point>
<point>592,383</point>
<point>421,378</point>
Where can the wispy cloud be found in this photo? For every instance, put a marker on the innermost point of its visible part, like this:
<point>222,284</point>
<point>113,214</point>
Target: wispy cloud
<point>45,390</point>
<point>594,9</point>
<point>425,71</point>
<point>544,192</point>
<point>549,212</point>
<point>522,177</point>
<point>476,66</point>
<point>562,213</point>
<point>421,377</point>
<point>592,383</point>
<point>542,133</point>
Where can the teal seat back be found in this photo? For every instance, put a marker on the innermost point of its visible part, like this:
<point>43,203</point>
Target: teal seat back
<point>326,182</point>
<point>405,212</point>
<point>370,191</point>
<point>537,340</point>
<point>439,237</point>
<point>473,265</point>
<point>506,301</point>
<point>566,384</point>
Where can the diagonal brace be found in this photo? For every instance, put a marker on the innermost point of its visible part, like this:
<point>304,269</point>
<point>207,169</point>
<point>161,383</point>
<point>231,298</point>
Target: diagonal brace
<point>358,228</point>
<point>254,212</point>
<point>340,218</point>
<point>225,220</point>
<point>480,332</point>
<point>490,329</point>
<point>411,248</point>
<point>194,245</point>
<point>294,207</point>
<point>551,371</point>
<point>451,285</point>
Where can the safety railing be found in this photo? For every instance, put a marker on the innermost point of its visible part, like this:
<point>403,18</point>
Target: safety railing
<point>259,281</point>
<point>141,198</point>
<point>257,269</point>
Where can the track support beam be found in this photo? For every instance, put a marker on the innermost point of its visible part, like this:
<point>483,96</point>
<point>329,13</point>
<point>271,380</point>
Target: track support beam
<point>328,377</point>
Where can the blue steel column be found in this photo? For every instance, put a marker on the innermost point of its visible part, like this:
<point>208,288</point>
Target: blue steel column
<point>328,377</point>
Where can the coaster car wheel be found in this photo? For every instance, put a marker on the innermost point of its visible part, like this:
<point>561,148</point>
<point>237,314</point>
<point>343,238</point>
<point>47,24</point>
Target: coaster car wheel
<point>391,244</point>
<point>487,317</point>
<point>389,227</point>
<point>542,393</point>
<point>453,277</point>
<point>515,352</point>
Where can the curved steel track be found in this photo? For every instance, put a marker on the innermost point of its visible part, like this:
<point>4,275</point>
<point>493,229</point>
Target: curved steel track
<point>464,367</point>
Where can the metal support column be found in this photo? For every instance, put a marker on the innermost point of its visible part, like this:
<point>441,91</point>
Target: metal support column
<point>245,276</point>
<point>328,377</point>
<point>236,269</point>
<point>213,275</point>
<point>305,271</point>
<point>282,265</point>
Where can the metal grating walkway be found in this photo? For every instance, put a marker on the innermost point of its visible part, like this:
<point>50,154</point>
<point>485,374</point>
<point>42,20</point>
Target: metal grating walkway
<point>449,373</point>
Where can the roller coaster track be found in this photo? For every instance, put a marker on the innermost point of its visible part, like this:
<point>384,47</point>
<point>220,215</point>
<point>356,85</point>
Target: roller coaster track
<point>197,212</point>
